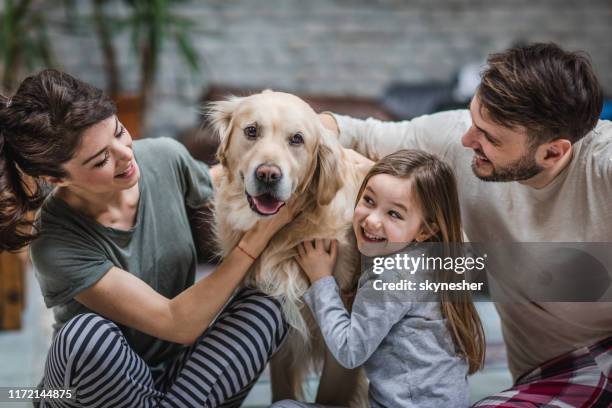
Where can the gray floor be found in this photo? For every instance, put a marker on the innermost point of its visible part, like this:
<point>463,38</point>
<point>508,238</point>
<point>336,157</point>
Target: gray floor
<point>22,353</point>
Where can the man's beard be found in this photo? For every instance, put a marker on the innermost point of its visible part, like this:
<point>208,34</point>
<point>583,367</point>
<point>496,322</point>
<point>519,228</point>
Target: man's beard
<point>521,169</point>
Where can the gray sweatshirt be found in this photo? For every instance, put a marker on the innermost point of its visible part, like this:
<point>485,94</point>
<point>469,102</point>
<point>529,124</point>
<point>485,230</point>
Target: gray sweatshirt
<point>402,342</point>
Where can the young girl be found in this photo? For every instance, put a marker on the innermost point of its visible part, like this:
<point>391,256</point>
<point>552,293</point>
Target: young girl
<point>415,353</point>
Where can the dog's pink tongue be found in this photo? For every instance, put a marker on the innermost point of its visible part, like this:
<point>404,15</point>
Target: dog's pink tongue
<point>266,204</point>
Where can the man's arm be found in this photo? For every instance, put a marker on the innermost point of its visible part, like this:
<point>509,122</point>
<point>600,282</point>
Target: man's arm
<point>375,139</point>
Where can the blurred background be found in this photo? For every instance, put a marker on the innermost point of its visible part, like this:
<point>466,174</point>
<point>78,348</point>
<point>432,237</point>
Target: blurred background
<point>162,60</point>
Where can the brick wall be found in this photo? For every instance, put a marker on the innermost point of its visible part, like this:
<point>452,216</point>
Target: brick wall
<point>352,47</point>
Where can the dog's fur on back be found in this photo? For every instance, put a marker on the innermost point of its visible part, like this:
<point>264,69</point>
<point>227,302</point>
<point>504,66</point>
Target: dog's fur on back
<point>274,150</point>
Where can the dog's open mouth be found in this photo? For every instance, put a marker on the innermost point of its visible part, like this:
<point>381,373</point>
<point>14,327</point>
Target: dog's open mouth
<point>265,204</point>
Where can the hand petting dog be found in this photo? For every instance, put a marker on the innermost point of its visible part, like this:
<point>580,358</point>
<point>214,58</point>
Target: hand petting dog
<point>315,260</point>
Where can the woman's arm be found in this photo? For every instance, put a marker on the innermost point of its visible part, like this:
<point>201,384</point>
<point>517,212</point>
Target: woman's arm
<point>127,300</point>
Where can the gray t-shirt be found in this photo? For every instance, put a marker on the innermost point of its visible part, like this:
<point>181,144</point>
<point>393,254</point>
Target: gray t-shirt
<point>73,251</point>
<point>399,337</point>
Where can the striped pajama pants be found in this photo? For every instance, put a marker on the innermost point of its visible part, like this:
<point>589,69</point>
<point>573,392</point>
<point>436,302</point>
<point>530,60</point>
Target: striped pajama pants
<point>91,355</point>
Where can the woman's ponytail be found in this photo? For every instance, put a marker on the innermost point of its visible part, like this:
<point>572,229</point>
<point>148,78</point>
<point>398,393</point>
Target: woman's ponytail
<point>41,127</point>
<point>19,197</point>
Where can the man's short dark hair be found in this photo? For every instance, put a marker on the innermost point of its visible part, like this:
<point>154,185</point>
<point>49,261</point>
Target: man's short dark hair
<point>550,92</point>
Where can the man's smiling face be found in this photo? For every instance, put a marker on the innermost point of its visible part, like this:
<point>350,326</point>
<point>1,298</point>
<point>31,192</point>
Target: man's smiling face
<point>500,153</point>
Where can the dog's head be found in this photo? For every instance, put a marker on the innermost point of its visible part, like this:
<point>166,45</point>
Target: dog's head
<point>274,146</point>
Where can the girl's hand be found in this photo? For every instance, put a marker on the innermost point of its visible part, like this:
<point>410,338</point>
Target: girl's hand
<point>256,239</point>
<point>315,260</point>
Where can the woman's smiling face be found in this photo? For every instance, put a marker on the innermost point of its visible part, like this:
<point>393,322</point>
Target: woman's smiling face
<point>387,216</point>
<point>104,161</point>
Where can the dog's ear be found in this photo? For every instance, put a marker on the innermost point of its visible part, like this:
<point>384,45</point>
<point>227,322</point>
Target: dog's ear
<point>220,115</point>
<point>326,180</point>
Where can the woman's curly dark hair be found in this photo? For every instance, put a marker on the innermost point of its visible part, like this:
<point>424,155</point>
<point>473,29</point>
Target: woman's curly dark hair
<point>40,130</point>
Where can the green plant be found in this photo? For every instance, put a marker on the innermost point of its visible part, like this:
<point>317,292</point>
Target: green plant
<point>24,41</point>
<point>104,32</point>
<point>151,24</point>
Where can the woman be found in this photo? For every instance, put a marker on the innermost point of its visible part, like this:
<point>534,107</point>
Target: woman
<point>115,258</point>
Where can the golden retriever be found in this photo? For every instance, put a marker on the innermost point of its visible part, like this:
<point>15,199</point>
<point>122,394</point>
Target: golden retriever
<point>275,150</point>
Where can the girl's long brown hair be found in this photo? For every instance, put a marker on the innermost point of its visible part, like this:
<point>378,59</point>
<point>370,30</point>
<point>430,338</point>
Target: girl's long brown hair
<point>435,190</point>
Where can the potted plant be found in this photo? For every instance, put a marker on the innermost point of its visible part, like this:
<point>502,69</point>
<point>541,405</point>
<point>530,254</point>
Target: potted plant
<point>151,24</point>
<point>24,46</point>
<point>24,43</point>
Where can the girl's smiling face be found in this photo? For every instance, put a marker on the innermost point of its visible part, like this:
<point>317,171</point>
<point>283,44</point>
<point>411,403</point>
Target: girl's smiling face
<point>388,216</point>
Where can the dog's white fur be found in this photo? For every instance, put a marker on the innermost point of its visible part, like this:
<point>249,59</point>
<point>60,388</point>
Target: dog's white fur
<point>316,175</point>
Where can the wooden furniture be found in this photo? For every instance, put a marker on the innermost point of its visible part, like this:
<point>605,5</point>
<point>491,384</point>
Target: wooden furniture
<point>12,289</point>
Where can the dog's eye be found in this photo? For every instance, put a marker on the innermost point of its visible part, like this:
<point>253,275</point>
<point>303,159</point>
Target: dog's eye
<point>250,131</point>
<point>296,139</point>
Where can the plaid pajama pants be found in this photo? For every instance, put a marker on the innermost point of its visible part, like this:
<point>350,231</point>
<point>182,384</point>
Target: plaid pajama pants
<point>582,378</point>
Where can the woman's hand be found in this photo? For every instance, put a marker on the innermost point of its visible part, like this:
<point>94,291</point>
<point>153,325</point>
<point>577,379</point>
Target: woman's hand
<point>316,262</point>
<point>256,239</point>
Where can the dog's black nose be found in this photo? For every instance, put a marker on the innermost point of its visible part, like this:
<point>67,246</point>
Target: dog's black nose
<point>268,173</point>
